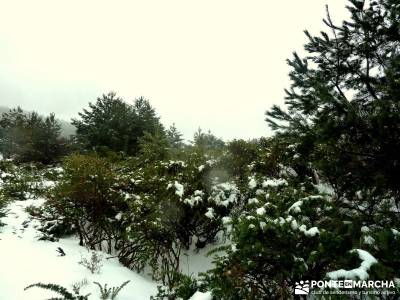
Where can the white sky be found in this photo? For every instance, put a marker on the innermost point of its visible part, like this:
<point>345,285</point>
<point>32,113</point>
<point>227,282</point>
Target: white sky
<point>217,64</point>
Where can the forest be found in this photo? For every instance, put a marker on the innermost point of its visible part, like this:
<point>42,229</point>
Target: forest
<point>319,199</point>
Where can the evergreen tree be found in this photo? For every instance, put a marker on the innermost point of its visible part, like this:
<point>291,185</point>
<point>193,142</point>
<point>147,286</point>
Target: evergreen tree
<point>207,141</point>
<point>146,120</point>
<point>174,137</point>
<point>115,124</point>
<point>343,104</point>
<point>46,140</point>
<point>12,124</point>
<point>340,130</point>
<point>153,147</point>
<point>29,137</point>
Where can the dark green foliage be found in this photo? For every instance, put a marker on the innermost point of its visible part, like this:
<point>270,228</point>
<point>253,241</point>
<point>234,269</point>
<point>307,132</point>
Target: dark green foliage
<point>62,291</point>
<point>288,232</point>
<point>52,225</point>
<point>153,147</point>
<point>168,211</point>
<point>86,198</point>
<point>174,137</point>
<point>20,182</point>
<point>256,267</point>
<point>243,158</point>
<point>343,105</point>
<point>184,289</point>
<point>206,141</point>
<point>340,134</point>
<point>115,124</point>
<point>296,206</point>
<point>28,137</point>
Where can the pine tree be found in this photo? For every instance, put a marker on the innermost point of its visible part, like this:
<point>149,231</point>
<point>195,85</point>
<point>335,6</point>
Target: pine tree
<point>30,137</point>
<point>207,141</point>
<point>174,137</point>
<point>343,104</point>
<point>342,121</point>
<point>153,147</point>
<point>115,124</point>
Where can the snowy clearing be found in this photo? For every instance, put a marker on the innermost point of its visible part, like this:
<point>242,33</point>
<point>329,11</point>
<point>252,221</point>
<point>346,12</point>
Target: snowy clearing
<point>29,261</point>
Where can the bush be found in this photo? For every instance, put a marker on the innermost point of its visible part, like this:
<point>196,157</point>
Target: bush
<point>288,232</point>
<point>184,289</point>
<point>20,182</point>
<point>172,205</point>
<point>52,225</point>
<point>86,198</point>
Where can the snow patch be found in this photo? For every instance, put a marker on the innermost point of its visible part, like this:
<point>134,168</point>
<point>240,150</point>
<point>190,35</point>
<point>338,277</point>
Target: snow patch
<point>274,182</point>
<point>201,296</point>
<point>310,232</point>
<point>29,261</point>
<point>296,206</point>
<point>210,213</point>
<point>178,189</point>
<point>261,211</point>
<point>252,183</point>
<point>361,272</point>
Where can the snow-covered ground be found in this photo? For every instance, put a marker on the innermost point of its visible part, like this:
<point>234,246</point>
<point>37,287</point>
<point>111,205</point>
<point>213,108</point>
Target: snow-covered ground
<point>24,260</point>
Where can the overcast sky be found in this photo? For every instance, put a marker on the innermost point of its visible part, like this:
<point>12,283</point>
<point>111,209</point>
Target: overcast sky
<point>217,64</point>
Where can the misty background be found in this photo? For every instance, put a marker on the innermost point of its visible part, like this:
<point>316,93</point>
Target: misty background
<point>217,65</point>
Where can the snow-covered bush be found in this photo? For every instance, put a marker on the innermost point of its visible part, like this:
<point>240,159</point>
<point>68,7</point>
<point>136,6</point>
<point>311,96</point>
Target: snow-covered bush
<point>20,182</point>
<point>52,225</point>
<point>86,198</point>
<point>289,232</point>
<point>242,158</point>
<point>172,205</point>
<point>184,289</point>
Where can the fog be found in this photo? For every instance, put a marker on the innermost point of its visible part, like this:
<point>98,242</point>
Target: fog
<point>217,65</point>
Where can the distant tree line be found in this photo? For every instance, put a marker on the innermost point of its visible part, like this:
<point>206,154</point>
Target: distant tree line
<point>30,137</point>
<point>110,125</point>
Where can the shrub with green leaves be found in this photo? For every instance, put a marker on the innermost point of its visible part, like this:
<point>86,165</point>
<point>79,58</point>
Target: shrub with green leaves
<point>86,198</point>
<point>52,225</point>
<point>20,182</point>
<point>289,232</point>
<point>184,289</point>
<point>172,205</point>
